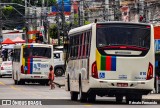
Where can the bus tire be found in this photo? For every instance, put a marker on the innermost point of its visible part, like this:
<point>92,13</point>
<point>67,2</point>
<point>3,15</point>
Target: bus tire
<point>42,83</point>
<point>119,98</point>
<point>59,72</point>
<point>74,96</point>
<point>82,96</point>
<point>68,83</point>
<point>22,82</point>
<point>19,82</point>
<point>0,76</point>
<point>15,82</point>
<point>91,98</point>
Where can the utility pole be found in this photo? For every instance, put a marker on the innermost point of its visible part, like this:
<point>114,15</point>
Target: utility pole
<point>26,21</point>
<point>0,20</point>
<point>58,23</point>
<point>42,20</point>
<point>118,13</point>
<point>63,19</point>
<point>79,15</point>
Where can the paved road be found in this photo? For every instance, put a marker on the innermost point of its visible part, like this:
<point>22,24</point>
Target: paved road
<point>35,91</point>
<point>29,91</point>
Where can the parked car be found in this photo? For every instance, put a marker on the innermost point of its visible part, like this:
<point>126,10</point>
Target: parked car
<point>6,68</point>
<point>59,68</point>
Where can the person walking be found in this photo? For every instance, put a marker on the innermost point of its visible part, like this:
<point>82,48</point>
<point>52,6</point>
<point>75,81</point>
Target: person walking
<point>5,53</point>
<point>51,77</point>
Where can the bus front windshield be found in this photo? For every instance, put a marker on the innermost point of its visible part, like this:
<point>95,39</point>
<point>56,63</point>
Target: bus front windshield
<point>37,52</point>
<point>123,35</point>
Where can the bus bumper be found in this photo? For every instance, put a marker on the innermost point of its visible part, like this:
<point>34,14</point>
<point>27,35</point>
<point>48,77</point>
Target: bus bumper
<point>145,86</point>
<point>118,91</point>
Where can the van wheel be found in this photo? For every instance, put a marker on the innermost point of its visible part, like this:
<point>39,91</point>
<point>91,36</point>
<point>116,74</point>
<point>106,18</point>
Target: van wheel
<point>59,72</point>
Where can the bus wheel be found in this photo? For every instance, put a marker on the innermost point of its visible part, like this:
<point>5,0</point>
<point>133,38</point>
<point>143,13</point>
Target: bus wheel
<point>22,82</point>
<point>91,98</point>
<point>15,82</point>
<point>82,96</point>
<point>42,83</point>
<point>68,83</point>
<point>74,96</point>
<point>19,82</point>
<point>119,98</point>
<point>0,76</point>
<point>59,72</point>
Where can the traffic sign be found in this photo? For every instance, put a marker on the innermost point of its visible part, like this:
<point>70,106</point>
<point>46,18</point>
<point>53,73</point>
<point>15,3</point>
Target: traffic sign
<point>157,45</point>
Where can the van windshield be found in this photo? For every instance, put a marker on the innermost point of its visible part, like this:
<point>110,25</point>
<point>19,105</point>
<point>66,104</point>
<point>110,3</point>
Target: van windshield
<point>37,52</point>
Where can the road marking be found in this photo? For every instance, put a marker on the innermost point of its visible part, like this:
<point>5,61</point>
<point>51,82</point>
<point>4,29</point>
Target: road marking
<point>2,83</point>
<point>88,105</point>
<point>13,87</point>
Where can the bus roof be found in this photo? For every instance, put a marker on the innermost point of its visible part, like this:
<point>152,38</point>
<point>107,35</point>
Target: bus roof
<point>80,29</point>
<point>34,44</point>
<point>89,26</point>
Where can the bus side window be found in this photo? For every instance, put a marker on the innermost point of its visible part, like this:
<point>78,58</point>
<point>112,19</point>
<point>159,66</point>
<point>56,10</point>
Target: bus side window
<point>88,43</point>
<point>85,45</point>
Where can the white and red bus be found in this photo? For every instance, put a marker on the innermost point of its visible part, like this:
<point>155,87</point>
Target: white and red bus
<point>31,63</point>
<point>111,59</point>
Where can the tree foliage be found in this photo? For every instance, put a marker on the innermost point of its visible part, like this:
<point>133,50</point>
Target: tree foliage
<point>53,31</point>
<point>86,22</point>
<point>76,19</point>
<point>7,10</point>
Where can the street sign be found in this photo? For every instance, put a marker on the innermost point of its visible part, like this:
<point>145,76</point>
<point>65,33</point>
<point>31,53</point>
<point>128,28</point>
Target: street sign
<point>157,45</point>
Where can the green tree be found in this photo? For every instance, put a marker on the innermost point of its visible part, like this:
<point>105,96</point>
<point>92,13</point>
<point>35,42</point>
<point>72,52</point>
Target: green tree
<point>47,2</point>
<point>53,33</point>
<point>86,22</point>
<point>17,1</point>
<point>75,20</point>
<point>7,10</point>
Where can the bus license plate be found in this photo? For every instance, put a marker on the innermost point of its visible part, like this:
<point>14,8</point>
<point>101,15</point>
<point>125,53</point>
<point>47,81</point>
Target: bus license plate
<point>122,84</point>
<point>8,71</point>
<point>36,76</point>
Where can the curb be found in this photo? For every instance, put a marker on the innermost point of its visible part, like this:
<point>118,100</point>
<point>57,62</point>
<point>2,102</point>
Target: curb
<point>152,100</point>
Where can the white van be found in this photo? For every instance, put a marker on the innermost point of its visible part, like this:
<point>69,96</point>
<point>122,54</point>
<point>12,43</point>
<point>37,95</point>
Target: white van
<point>59,67</point>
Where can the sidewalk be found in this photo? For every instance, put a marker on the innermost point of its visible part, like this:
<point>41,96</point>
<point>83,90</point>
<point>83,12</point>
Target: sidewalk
<point>152,96</point>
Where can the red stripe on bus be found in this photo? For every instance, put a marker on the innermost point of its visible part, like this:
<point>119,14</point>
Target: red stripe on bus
<point>29,65</point>
<point>108,63</point>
